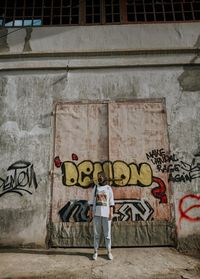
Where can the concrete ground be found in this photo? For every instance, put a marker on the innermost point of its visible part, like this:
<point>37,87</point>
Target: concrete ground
<point>136,263</point>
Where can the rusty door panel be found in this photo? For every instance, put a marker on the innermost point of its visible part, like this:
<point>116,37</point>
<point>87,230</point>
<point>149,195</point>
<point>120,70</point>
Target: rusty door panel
<point>134,130</point>
<point>115,137</point>
<point>80,136</point>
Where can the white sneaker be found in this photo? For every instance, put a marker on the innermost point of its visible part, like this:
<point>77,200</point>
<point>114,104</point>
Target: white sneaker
<point>110,256</point>
<point>95,255</point>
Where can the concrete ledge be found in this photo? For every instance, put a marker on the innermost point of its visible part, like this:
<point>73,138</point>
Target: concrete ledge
<point>97,59</point>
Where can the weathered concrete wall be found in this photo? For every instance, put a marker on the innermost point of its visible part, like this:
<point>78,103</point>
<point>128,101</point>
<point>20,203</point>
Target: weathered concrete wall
<point>101,38</point>
<point>40,66</point>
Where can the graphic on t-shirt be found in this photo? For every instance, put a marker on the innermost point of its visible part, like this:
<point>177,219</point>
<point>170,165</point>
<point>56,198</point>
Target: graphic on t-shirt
<point>101,199</point>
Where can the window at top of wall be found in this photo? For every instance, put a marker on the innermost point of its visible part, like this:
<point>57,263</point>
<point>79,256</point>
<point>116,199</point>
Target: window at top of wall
<point>25,23</point>
<point>86,12</point>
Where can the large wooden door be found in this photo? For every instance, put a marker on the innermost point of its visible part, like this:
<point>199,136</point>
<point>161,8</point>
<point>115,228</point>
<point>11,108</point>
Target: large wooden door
<point>124,139</point>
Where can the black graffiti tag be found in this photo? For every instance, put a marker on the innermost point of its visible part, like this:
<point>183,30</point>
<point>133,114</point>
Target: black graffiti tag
<point>125,210</point>
<point>77,210</point>
<point>178,171</point>
<point>188,172</point>
<point>21,180</point>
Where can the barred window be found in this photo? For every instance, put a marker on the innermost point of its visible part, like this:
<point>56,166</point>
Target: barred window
<point>24,13</point>
<point>163,10</point>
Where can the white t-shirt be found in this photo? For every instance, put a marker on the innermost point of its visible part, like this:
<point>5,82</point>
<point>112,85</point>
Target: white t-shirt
<point>102,200</point>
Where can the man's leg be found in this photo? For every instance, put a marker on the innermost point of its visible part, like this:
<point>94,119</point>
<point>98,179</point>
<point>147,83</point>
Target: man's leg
<point>97,234</point>
<point>107,233</point>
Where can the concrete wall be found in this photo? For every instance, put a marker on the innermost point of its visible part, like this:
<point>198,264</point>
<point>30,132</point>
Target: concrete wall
<point>40,66</point>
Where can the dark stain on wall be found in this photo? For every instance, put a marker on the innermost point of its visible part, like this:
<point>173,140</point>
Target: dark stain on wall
<point>13,221</point>
<point>189,80</point>
<point>197,44</point>
<point>190,244</point>
<point>3,107</point>
<point>27,46</point>
<point>3,40</point>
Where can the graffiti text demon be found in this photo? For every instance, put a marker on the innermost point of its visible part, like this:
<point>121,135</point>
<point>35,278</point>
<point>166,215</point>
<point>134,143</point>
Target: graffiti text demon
<point>21,180</point>
<point>120,174</point>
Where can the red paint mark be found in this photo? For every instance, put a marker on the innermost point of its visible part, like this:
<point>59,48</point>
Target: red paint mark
<point>74,157</point>
<point>159,192</point>
<point>184,213</point>
<point>57,162</point>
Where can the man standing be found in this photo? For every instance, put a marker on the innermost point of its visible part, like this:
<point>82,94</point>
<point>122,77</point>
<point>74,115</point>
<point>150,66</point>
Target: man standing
<point>101,210</point>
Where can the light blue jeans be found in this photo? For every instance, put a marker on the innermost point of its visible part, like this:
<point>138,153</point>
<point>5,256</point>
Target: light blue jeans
<point>99,223</point>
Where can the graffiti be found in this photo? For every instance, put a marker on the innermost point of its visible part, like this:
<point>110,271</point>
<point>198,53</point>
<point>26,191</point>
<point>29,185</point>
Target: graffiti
<point>21,180</point>
<point>133,210</point>
<point>186,205</point>
<point>159,156</point>
<point>76,210</point>
<point>159,191</point>
<point>192,172</point>
<point>178,170</point>
<point>128,210</point>
<point>120,174</point>
<point>57,162</point>
<point>74,157</point>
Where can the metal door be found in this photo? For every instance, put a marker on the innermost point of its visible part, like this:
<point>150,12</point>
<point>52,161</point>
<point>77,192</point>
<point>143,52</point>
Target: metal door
<point>125,139</point>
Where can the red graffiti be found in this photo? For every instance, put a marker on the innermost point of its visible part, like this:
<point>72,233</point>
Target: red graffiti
<point>159,192</point>
<point>57,162</point>
<point>185,209</point>
<point>74,157</point>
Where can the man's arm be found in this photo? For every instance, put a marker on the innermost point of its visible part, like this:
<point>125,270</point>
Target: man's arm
<point>91,201</point>
<point>110,213</point>
<point>111,204</point>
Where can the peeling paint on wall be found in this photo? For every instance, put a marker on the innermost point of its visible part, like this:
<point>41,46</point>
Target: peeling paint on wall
<point>189,79</point>
<point>27,46</point>
<point>197,44</point>
<point>3,40</point>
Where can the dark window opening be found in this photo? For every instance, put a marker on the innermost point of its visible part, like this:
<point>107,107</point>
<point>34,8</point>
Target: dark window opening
<point>15,13</point>
<point>93,11</point>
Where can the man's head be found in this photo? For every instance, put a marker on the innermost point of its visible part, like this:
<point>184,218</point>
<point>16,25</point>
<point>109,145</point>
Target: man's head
<point>102,179</point>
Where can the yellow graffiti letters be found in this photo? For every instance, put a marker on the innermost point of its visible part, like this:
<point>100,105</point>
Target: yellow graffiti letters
<point>141,175</point>
<point>97,168</point>
<point>107,167</point>
<point>70,173</point>
<point>85,171</point>
<point>119,173</point>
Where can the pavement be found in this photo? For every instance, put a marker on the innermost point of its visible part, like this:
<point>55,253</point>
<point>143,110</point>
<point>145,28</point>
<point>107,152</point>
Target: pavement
<point>71,263</point>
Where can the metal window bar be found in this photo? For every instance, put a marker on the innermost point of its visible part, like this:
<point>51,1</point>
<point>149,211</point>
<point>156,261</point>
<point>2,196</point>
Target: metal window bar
<point>145,17</point>
<point>42,14</point>
<point>93,11</point>
<point>154,13</point>
<point>162,10</point>
<point>112,11</point>
<point>14,11</point>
